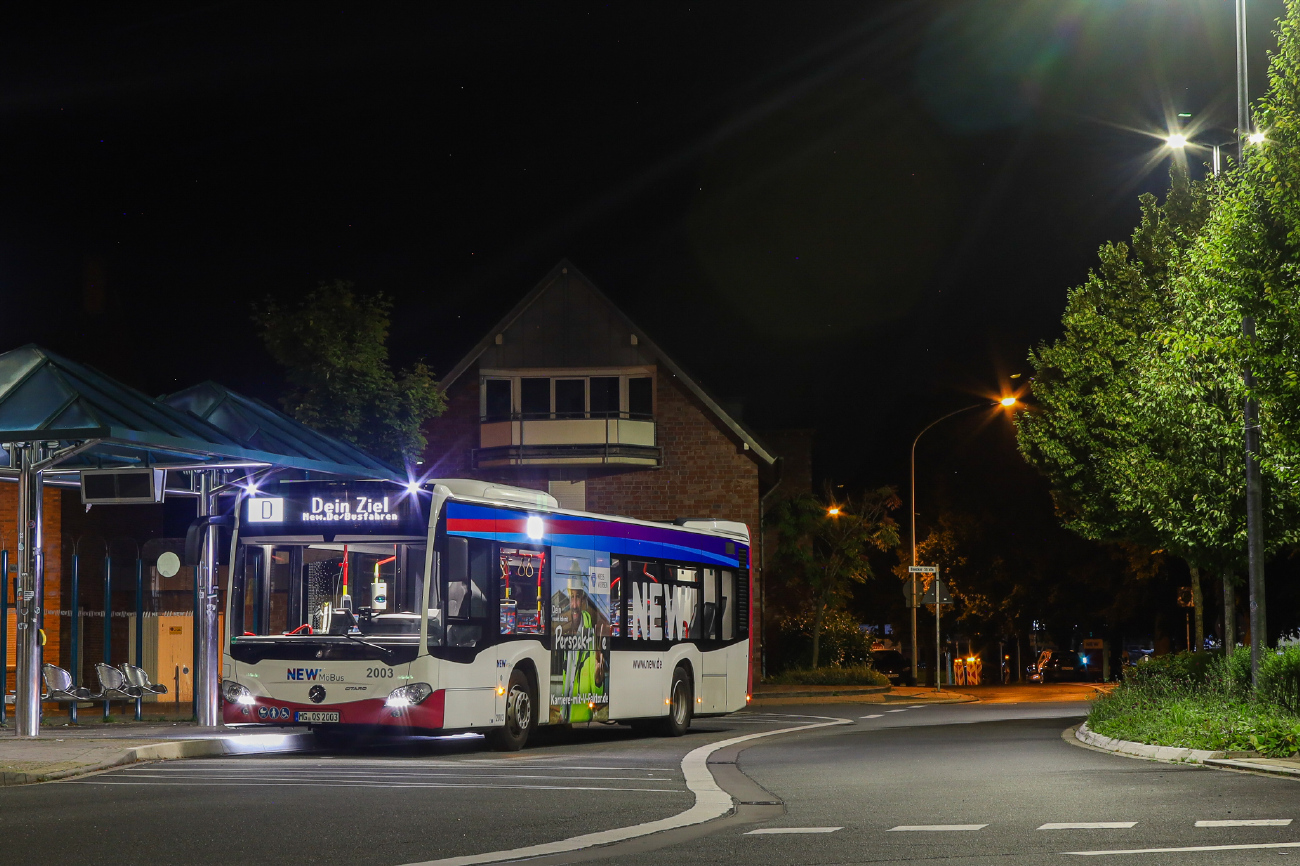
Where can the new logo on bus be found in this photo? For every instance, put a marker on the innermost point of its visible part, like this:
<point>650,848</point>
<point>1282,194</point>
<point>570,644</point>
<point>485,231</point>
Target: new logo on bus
<point>302,673</point>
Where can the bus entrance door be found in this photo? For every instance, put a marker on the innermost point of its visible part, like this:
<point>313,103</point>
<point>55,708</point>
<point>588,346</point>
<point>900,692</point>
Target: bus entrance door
<point>713,684</point>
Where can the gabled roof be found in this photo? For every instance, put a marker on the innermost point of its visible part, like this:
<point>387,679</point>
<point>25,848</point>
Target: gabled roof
<point>47,398</point>
<point>567,268</point>
<point>255,425</point>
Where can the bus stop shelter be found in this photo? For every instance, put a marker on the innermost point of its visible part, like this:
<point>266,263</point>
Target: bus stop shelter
<point>59,419</point>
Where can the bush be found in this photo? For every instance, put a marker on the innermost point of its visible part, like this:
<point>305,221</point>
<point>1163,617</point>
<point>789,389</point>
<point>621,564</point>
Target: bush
<point>843,644</point>
<point>854,675</point>
<point>1279,678</point>
<point>1204,701</point>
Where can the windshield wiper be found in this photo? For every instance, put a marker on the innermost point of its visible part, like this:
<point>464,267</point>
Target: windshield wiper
<point>353,637</point>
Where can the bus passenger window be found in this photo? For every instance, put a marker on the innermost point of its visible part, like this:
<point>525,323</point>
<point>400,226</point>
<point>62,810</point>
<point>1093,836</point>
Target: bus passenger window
<point>728,605</point>
<point>709,619</point>
<point>682,605</point>
<point>522,590</point>
<point>616,597</point>
<point>645,601</point>
<point>457,578</point>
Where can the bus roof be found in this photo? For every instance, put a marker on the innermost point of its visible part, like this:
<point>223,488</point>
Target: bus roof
<point>489,493</point>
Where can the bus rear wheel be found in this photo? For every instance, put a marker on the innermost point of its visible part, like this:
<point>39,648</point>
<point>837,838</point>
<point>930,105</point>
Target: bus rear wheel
<point>680,706</point>
<point>521,714</point>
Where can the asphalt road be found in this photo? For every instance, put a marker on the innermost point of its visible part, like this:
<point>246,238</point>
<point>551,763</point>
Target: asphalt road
<point>1001,772</point>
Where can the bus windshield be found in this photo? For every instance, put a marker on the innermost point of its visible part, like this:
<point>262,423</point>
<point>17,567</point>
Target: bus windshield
<point>298,591</point>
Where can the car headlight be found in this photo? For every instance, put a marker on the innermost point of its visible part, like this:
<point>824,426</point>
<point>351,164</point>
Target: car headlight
<point>234,693</point>
<point>409,695</point>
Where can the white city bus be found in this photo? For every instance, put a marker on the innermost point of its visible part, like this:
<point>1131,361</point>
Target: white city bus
<point>468,606</point>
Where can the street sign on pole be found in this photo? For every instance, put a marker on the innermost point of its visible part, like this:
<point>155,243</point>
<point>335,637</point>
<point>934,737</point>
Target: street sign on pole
<point>923,569</point>
<point>937,588</point>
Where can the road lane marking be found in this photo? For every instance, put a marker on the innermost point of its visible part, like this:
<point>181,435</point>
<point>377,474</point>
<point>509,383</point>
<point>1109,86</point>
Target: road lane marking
<point>916,706</point>
<point>896,711</point>
<point>1247,822</point>
<point>710,802</point>
<point>874,716</point>
<point>935,827</point>
<point>161,773</point>
<point>1089,825</point>
<point>1188,848</point>
<point>772,831</point>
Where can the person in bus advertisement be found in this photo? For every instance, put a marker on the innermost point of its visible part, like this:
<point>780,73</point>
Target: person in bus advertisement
<point>580,635</point>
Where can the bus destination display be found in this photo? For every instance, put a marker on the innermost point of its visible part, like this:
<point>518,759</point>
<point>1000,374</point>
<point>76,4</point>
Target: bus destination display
<point>378,509</point>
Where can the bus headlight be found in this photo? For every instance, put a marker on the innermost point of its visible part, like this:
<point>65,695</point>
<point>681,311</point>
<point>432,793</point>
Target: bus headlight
<point>234,693</point>
<point>409,695</point>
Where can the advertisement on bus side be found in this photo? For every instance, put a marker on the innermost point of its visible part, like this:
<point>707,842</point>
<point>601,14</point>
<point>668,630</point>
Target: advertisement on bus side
<point>580,635</point>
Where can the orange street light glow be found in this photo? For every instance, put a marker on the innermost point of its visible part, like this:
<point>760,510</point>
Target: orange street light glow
<point>833,512</point>
<point>1008,401</point>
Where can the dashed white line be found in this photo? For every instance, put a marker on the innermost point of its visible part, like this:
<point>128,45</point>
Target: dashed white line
<point>872,716</point>
<point>916,706</point>
<point>1188,848</point>
<point>935,827</point>
<point>896,711</point>
<point>1247,822</point>
<point>1089,825</point>
<point>772,831</point>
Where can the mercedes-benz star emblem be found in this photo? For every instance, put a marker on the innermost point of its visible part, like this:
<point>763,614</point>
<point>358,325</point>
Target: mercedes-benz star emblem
<point>317,694</point>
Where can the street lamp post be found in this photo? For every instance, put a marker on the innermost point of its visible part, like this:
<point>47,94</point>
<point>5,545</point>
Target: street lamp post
<point>1250,408</point>
<point>1005,402</point>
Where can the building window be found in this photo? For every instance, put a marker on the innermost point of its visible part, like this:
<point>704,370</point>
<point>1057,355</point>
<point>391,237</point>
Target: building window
<point>496,406</point>
<point>640,397</point>
<point>604,397</point>
<point>505,395</point>
<point>535,398</point>
<point>570,398</point>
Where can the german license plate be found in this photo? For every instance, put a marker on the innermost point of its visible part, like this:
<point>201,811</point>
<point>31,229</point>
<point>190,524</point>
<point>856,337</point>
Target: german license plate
<point>312,718</point>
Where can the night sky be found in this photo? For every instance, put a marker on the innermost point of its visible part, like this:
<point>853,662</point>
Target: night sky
<point>847,216</point>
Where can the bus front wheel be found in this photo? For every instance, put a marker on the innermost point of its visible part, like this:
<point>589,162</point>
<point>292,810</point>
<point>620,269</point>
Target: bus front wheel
<point>680,706</point>
<point>520,714</point>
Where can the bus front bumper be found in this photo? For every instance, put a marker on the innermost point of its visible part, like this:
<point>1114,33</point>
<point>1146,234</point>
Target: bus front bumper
<point>426,715</point>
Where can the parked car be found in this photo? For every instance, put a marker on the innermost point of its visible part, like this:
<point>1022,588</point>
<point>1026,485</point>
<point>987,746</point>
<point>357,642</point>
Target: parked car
<point>1055,665</point>
<point>894,665</point>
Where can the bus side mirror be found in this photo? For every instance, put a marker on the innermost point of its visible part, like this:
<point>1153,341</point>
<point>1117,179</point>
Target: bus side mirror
<point>194,535</point>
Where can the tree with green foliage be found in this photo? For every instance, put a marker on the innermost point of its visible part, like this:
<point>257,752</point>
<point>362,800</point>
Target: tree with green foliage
<point>1113,461</point>
<point>824,546</point>
<point>333,344</point>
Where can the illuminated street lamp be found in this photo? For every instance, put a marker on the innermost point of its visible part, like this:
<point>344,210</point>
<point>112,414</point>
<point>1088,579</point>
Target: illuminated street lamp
<point>833,511</point>
<point>1006,403</point>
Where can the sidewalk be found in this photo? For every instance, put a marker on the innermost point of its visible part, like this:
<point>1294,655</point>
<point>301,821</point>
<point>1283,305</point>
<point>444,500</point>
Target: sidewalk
<point>62,752</point>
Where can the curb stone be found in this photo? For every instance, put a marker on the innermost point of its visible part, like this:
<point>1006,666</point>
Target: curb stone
<point>1143,750</point>
<point>215,747</point>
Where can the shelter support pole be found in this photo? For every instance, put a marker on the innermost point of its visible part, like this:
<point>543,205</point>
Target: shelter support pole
<point>73,666</point>
<point>31,591</point>
<point>139,628</point>
<point>4,633</point>
<point>208,661</point>
<point>108,620</point>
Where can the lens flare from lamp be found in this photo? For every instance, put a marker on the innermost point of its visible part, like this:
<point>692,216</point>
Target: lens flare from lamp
<point>1176,141</point>
<point>833,512</point>
<point>1255,138</point>
<point>534,528</point>
<point>1008,401</point>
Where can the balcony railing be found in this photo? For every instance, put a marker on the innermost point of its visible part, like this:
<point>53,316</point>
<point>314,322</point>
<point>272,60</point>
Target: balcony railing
<point>557,439</point>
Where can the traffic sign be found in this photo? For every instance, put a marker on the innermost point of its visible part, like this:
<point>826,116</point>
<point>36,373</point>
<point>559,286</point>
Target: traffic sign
<point>943,596</point>
<point>923,569</point>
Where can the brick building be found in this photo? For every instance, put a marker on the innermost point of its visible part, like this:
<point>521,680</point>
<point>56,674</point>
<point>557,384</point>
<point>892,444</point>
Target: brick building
<point>565,394</point>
